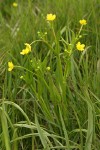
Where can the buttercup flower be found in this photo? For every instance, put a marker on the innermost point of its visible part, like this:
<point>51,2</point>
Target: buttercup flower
<point>10,66</point>
<point>51,17</point>
<point>83,22</point>
<point>26,50</point>
<point>15,4</point>
<point>80,46</point>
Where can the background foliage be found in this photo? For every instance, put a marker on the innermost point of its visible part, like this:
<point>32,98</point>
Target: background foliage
<point>57,108</point>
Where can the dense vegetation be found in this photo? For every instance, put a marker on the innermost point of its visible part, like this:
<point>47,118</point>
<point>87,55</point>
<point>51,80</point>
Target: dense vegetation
<point>49,87</point>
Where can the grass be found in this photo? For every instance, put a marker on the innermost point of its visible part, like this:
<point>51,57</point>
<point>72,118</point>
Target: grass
<point>51,98</point>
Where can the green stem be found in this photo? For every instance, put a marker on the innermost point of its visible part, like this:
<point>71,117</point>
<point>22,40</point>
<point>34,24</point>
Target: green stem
<point>5,128</point>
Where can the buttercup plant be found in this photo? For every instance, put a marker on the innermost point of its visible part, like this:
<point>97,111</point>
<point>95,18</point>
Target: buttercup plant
<point>10,66</point>
<point>49,87</point>
<point>26,50</point>
<point>51,17</point>
<point>45,73</point>
<point>80,46</point>
<point>83,22</point>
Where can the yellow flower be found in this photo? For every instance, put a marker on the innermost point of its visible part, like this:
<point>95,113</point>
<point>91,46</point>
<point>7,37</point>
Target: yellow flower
<point>83,22</point>
<point>51,17</point>
<point>15,4</point>
<point>26,50</point>
<point>10,66</point>
<point>80,46</point>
